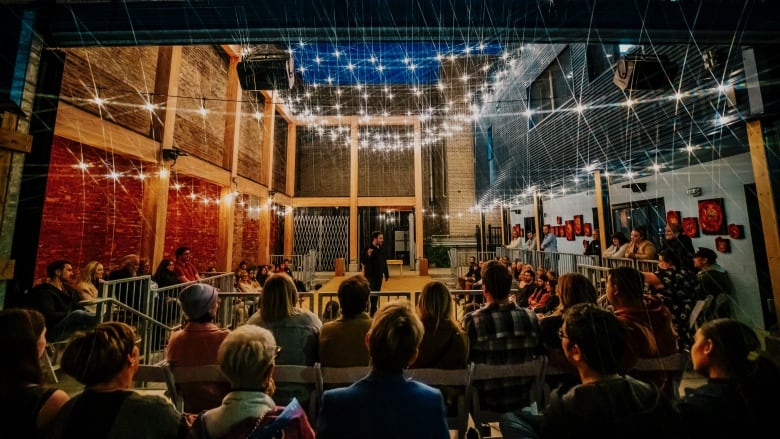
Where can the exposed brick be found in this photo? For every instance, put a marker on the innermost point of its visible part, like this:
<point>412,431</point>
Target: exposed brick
<point>191,221</point>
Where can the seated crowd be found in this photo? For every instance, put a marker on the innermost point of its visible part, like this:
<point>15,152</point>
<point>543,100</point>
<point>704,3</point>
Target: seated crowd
<point>593,343</point>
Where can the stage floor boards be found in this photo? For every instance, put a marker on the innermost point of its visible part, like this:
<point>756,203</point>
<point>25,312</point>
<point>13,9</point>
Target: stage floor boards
<point>407,281</point>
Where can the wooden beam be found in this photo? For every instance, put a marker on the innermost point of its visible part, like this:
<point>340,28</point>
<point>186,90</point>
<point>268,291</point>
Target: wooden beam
<point>289,230</point>
<point>155,197</point>
<point>80,126</point>
<point>12,139</point>
<point>291,145</point>
<point>360,120</point>
<point>230,161</point>
<point>267,154</point>
<point>197,167</point>
<point>386,201</point>
<point>354,251</point>
<point>320,202</point>
<point>247,186</point>
<point>766,204</point>
<point>418,191</point>
<point>279,106</point>
<point>602,208</point>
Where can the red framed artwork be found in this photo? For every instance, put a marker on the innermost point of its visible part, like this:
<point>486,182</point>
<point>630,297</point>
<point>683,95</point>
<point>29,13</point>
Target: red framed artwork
<point>558,220</point>
<point>690,227</point>
<point>673,217</point>
<point>737,231</point>
<point>560,231</point>
<point>569,230</point>
<point>588,229</point>
<point>578,222</point>
<point>712,217</point>
<point>723,245</point>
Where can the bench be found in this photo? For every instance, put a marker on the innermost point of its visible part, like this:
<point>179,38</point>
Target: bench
<point>398,262</point>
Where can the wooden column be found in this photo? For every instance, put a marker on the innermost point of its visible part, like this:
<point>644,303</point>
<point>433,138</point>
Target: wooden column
<point>766,204</point>
<point>601,182</point>
<point>155,197</point>
<point>227,211</point>
<point>538,219</point>
<point>289,218</point>
<point>418,192</point>
<point>354,251</point>
<point>264,240</point>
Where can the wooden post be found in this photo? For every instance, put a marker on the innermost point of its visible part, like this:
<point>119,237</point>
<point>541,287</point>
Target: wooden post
<point>227,211</point>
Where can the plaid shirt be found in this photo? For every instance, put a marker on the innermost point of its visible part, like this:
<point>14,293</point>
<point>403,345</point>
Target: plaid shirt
<point>503,334</point>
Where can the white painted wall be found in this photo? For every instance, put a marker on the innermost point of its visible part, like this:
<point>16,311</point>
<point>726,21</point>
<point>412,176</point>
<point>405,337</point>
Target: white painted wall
<point>724,178</point>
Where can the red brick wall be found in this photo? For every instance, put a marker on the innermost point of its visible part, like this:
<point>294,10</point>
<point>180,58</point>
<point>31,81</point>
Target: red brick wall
<point>86,215</point>
<point>191,222</point>
<point>246,236</point>
<point>250,150</point>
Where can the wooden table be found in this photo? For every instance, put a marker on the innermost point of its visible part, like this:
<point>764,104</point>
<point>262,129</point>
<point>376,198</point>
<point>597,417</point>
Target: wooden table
<point>399,263</point>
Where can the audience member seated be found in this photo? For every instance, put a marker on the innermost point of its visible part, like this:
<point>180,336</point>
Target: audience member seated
<point>185,270</point>
<point>648,322</point>
<point>618,247</point>
<point>128,268</point>
<point>246,358</point>
<point>713,279</point>
<point>540,295</point>
<point>526,287</point>
<point>105,359</point>
<point>465,282</point>
<point>676,286</point>
<point>640,246</point>
<point>262,274</point>
<point>165,276</point>
<point>385,404</point>
<point>678,243</point>
<point>196,344</point>
<point>90,280</point>
<point>444,344</point>
<point>552,299</point>
<point>58,303</point>
<point>605,404</point>
<point>740,397</point>
<point>331,311</point>
<point>573,288</point>
<point>343,341</point>
<point>501,333</point>
<point>295,329</point>
<point>29,406</point>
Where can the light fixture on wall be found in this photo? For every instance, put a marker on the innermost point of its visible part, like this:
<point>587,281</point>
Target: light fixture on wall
<point>173,154</point>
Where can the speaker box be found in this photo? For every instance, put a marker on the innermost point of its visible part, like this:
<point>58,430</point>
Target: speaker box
<point>273,72</point>
<point>639,72</point>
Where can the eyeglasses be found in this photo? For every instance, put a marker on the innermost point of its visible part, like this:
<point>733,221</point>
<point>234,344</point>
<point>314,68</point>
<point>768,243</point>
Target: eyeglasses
<point>561,335</point>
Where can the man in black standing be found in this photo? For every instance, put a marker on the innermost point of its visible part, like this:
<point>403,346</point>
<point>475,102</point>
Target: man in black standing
<point>375,266</point>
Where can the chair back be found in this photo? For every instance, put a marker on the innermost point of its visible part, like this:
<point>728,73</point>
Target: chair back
<point>310,375</point>
<point>149,375</point>
<point>457,381</point>
<point>187,379</point>
<point>671,367</point>
<point>533,369</point>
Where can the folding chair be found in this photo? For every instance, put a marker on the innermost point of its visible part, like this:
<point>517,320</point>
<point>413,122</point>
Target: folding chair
<point>307,375</point>
<point>186,380</point>
<point>671,367</point>
<point>534,370</point>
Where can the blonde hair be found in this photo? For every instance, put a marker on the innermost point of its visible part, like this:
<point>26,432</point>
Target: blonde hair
<point>574,288</point>
<point>394,336</point>
<point>435,305</point>
<point>88,272</point>
<point>246,355</point>
<point>279,297</point>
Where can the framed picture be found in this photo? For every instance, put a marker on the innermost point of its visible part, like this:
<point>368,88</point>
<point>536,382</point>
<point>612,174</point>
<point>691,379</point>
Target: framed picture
<point>560,231</point>
<point>516,228</point>
<point>569,230</point>
<point>690,227</point>
<point>712,217</point>
<point>558,220</point>
<point>737,231</point>
<point>578,222</point>
<point>723,245</point>
<point>588,229</point>
<point>673,217</point>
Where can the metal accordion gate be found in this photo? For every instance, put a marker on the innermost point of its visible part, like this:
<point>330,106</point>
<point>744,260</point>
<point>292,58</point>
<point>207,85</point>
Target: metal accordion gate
<point>325,230</point>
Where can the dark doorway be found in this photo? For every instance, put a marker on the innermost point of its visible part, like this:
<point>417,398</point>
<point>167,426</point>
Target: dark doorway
<point>394,225</point>
<point>648,213</point>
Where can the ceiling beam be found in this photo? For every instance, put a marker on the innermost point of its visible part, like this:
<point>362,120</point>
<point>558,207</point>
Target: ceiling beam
<point>233,22</point>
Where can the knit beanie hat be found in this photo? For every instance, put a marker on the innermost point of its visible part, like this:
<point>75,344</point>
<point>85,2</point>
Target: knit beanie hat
<point>196,299</point>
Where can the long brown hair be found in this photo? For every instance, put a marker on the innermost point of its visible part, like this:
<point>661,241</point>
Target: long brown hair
<point>435,305</point>
<point>279,297</point>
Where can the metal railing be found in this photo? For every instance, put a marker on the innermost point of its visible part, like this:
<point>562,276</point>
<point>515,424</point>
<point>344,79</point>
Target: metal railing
<point>304,267</point>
